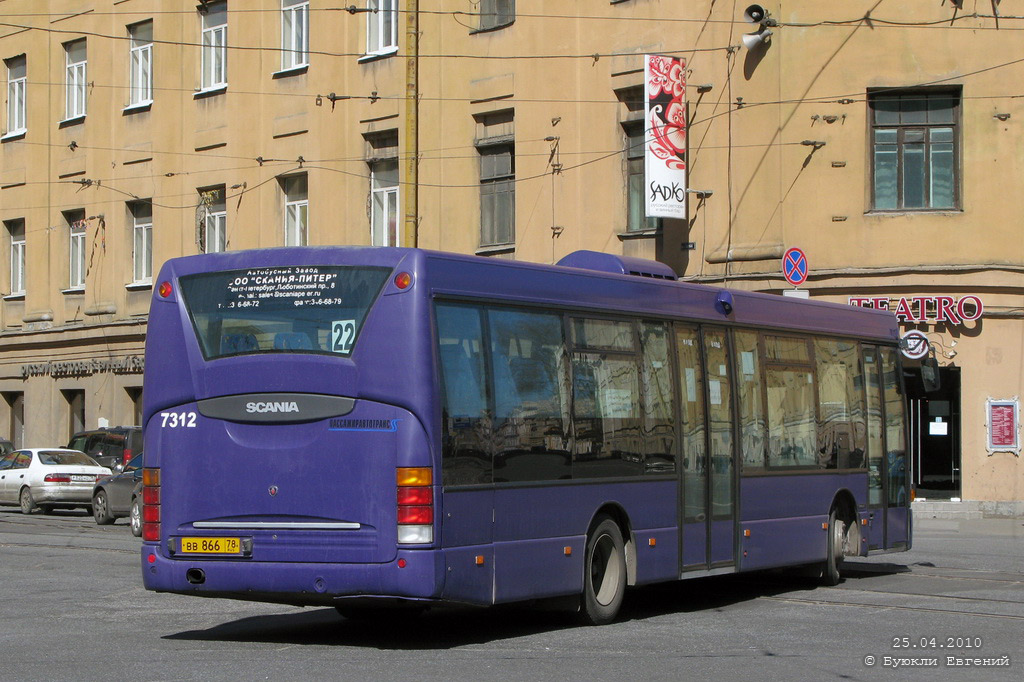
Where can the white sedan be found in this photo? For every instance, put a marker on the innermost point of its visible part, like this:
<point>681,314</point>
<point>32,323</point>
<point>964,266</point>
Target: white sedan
<point>47,478</point>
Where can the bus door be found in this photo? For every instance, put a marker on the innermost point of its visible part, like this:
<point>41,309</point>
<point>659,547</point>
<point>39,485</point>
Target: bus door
<point>721,509</point>
<point>897,494</point>
<point>707,464</point>
<point>888,494</point>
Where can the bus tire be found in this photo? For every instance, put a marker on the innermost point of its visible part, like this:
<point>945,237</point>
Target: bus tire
<point>604,573</point>
<point>830,575</point>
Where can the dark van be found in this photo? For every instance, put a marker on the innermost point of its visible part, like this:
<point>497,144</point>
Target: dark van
<point>112,446</point>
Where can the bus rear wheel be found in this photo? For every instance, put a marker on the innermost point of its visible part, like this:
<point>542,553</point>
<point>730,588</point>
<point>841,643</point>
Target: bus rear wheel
<point>604,573</point>
<point>830,574</point>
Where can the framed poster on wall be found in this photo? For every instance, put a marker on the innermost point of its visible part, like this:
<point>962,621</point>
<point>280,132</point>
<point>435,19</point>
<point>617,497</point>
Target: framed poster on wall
<point>1002,418</point>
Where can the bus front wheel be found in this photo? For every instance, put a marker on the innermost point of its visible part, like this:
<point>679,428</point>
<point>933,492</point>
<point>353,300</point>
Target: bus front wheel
<point>604,573</point>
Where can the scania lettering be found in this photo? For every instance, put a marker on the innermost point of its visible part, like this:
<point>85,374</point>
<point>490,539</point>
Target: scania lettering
<point>271,407</point>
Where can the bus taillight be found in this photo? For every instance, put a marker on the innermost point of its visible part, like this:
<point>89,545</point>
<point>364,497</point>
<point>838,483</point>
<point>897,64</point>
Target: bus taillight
<point>415,505</point>
<point>151,505</point>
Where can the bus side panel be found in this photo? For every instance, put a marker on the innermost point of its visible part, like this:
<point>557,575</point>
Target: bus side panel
<point>785,514</point>
<point>533,526</point>
<point>466,530</point>
<point>782,542</point>
<point>898,522</point>
<point>782,496</point>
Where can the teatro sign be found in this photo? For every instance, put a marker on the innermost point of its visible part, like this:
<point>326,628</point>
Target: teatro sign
<point>930,309</point>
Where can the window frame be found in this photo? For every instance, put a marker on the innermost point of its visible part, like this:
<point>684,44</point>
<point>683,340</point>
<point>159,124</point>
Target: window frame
<point>17,96</point>
<point>16,231</point>
<point>75,81</point>
<point>294,34</point>
<point>384,211</point>
<point>76,249</point>
<point>927,128</point>
<point>142,226</point>
<point>296,209</point>
<point>214,49</point>
<point>215,219</point>
<point>635,153</point>
<point>140,65</point>
<point>380,38</point>
<point>496,14</point>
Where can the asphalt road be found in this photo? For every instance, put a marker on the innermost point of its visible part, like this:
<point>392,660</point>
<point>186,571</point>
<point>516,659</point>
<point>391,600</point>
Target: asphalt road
<point>72,608</point>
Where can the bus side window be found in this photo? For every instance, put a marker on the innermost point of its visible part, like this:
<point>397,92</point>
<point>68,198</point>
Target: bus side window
<point>466,448</point>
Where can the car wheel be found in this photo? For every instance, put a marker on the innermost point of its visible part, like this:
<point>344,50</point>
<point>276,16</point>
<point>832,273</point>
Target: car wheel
<point>28,505</point>
<point>135,517</point>
<point>101,509</point>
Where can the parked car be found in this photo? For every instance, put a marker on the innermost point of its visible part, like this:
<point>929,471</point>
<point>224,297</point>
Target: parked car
<point>111,446</point>
<point>120,495</point>
<point>48,478</point>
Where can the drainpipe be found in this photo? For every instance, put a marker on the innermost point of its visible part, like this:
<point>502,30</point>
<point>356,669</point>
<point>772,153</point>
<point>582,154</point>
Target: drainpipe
<point>410,236</point>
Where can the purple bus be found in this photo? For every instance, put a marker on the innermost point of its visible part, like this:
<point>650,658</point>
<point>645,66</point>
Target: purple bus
<point>371,427</point>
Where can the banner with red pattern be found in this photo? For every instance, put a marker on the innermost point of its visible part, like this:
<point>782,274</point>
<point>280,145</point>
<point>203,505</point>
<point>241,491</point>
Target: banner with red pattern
<point>665,138</point>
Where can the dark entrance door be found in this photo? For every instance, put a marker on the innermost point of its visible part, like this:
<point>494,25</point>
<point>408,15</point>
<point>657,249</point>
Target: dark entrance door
<point>935,434</point>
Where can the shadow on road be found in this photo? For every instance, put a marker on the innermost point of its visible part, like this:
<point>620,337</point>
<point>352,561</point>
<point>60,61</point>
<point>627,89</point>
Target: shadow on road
<point>445,627</point>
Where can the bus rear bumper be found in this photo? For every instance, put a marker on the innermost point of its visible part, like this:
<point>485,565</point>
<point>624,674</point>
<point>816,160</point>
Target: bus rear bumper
<point>416,575</point>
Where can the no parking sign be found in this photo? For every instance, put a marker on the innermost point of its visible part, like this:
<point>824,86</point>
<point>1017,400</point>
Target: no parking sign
<point>794,266</point>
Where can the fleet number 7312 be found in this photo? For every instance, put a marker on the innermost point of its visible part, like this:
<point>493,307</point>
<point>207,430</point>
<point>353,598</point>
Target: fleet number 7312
<point>178,420</point>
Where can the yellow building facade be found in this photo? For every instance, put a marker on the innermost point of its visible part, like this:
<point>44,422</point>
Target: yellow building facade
<point>882,139</point>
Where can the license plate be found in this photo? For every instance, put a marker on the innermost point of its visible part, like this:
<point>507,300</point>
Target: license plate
<point>82,478</point>
<point>211,545</point>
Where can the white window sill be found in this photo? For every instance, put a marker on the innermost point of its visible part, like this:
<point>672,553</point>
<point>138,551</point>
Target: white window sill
<point>14,135</point>
<point>74,120</point>
<point>138,106</point>
<point>139,286</point>
<point>70,291</point>
<point>372,56</point>
<point>206,92</point>
<point>16,296</point>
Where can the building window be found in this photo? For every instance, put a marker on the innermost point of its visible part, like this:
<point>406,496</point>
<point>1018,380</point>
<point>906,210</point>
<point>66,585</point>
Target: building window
<point>16,230</point>
<point>142,240</point>
<point>214,219</point>
<point>16,88</point>
<point>382,158</point>
<point>381,26</point>
<point>384,203</point>
<point>215,46</point>
<point>496,13</point>
<point>75,79</point>
<point>294,34</point>
<point>296,210</point>
<point>75,399</point>
<point>76,248</point>
<point>915,136</point>
<point>636,220</point>
<point>495,144</point>
<point>140,63</point>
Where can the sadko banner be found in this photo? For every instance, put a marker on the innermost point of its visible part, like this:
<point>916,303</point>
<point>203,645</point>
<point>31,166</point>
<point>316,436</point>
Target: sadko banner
<point>665,138</point>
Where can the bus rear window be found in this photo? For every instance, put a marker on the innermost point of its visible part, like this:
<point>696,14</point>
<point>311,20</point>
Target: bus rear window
<point>286,309</point>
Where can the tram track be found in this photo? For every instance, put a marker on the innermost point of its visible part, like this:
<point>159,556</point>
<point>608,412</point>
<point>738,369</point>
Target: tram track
<point>895,607</point>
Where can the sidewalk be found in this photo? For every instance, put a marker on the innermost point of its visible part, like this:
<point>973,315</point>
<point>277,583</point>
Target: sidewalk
<point>966,509</point>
